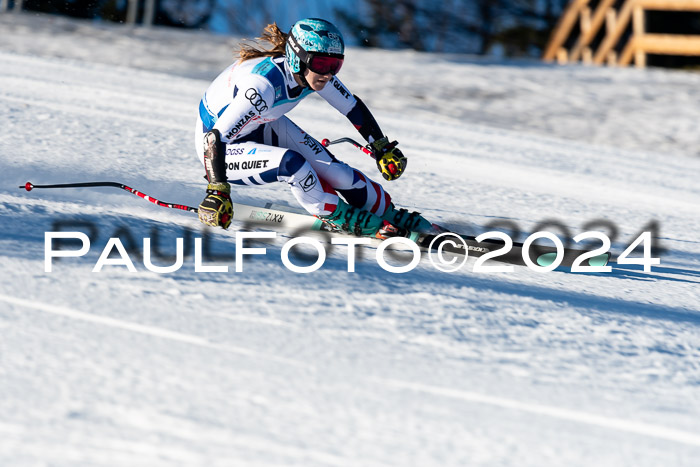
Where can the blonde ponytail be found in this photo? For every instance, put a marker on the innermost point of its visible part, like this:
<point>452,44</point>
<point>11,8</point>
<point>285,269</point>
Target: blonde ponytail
<point>273,36</point>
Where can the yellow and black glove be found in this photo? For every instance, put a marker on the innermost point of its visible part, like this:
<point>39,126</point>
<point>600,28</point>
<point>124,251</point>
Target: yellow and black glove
<point>390,160</point>
<point>217,209</point>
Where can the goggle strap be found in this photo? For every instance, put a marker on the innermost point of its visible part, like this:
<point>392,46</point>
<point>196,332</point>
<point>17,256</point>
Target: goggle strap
<point>298,49</point>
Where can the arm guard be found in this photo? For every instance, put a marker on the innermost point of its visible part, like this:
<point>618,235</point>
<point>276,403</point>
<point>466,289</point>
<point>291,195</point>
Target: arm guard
<point>214,157</point>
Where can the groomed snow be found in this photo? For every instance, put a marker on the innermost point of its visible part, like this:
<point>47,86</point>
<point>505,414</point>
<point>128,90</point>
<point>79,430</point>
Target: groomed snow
<point>270,367</point>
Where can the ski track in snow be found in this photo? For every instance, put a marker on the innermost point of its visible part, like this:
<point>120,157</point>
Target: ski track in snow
<point>268,367</point>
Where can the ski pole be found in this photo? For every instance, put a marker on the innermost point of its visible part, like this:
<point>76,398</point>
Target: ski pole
<point>30,186</point>
<point>326,142</point>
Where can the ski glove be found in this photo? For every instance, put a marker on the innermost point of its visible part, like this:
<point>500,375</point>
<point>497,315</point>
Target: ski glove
<point>390,160</point>
<point>217,209</point>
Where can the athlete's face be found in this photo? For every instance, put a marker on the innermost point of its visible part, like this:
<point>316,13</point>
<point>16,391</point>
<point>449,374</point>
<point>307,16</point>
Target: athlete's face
<point>316,81</point>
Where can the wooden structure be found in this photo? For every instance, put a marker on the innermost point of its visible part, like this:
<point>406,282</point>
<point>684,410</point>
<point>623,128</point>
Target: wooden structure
<point>616,23</point>
<point>5,6</point>
<point>132,9</point>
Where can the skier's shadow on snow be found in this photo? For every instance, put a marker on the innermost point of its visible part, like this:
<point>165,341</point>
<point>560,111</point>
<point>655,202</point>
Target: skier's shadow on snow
<point>582,300</point>
<point>637,273</point>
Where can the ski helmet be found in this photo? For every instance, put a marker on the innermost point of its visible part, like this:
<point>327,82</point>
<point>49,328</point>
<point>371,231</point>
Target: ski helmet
<point>315,44</point>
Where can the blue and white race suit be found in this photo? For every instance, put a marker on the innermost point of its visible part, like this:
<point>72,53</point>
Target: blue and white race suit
<point>247,103</point>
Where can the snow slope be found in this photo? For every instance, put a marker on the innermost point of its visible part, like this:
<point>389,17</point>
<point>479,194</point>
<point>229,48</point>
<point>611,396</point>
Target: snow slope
<point>270,367</point>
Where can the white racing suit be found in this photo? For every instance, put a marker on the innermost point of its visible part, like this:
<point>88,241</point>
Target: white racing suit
<point>247,103</point>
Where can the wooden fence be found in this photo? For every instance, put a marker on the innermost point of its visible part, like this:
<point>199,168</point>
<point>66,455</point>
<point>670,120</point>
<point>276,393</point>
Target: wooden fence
<point>639,44</point>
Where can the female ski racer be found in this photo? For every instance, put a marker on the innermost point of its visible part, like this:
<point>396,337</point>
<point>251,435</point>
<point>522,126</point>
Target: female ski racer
<point>243,137</point>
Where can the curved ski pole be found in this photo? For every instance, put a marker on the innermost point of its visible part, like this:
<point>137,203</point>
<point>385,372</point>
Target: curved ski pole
<point>30,186</point>
<point>242,212</point>
<point>326,142</point>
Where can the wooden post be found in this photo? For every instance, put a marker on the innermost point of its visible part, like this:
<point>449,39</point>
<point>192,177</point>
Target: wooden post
<point>149,12</point>
<point>670,44</point>
<point>131,11</point>
<point>640,56</point>
<point>671,5</point>
<point>585,19</point>
<point>562,56</point>
<point>586,55</point>
<point>610,23</point>
<point>610,19</point>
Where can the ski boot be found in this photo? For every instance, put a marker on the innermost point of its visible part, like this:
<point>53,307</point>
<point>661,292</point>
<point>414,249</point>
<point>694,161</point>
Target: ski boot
<point>361,223</point>
<point>411,221</point>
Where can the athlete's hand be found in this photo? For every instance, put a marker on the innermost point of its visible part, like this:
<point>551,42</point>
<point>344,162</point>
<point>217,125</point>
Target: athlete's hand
<point>390,160</point>
<point>217,209</point>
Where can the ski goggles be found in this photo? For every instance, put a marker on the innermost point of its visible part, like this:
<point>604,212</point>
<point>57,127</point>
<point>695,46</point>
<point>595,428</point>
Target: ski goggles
<point>323,64</point>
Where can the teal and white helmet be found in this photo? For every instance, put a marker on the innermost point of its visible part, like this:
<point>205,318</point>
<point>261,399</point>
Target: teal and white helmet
<point>315,44</point>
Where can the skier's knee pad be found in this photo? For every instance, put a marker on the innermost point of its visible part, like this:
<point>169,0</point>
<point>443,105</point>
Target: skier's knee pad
<point>290,164</point>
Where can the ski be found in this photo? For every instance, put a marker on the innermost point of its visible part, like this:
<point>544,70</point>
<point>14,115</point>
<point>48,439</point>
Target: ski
<point>296,223</point>
<point>540,255</point>
<point>281,218</point>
